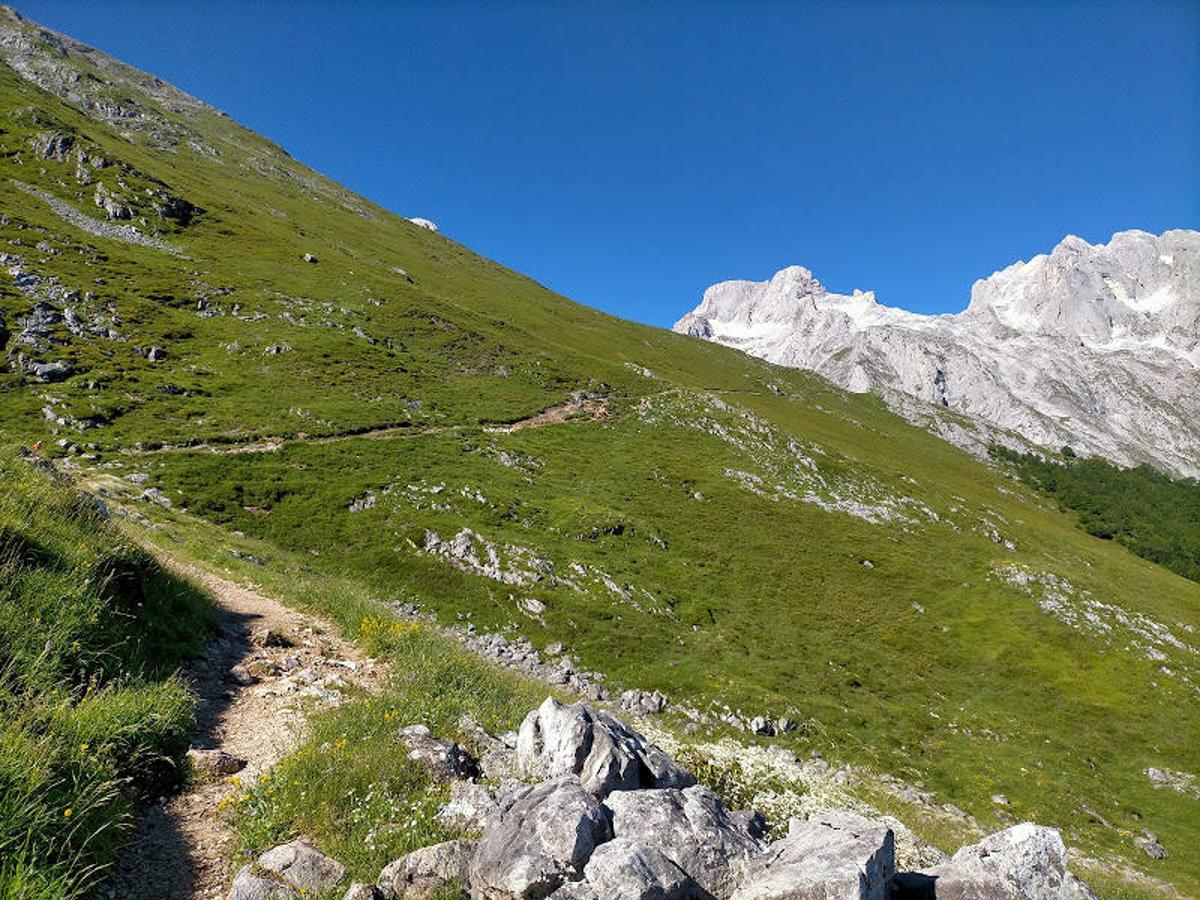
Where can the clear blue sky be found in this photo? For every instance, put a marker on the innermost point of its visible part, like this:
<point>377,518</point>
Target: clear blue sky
<point>630,154</point>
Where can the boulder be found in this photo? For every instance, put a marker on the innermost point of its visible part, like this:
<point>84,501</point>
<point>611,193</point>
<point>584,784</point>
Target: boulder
<point>290,870</point>
<point>471,807</point>
<point>623,868</point>
<point>251,885</point>
<point>838,856</point>
<point>1024,862</point>
<point>424,223</point>
<point>543,838</point>
<point>606,754</point>
<point>363,892</point>
<point>214,763</point>
<point>444,759</point>
<point>690,827</point>
<point>302,865</point>
<point>429,872</point>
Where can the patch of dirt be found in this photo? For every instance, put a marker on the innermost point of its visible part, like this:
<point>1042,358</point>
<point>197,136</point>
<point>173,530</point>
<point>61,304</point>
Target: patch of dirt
<point>182,848</point>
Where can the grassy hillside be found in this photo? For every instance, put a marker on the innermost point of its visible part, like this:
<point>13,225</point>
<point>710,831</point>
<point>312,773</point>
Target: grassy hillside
<point>684,518</point>
<point>1154,515</point>
<point>91,720</point>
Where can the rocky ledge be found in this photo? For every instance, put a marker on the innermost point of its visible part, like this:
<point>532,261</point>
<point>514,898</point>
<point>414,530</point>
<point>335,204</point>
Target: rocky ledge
<point>604,814</point>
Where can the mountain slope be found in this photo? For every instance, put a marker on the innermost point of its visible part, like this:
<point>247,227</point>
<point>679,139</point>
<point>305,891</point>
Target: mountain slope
<point>1096,347</point>
<point>408,415</point>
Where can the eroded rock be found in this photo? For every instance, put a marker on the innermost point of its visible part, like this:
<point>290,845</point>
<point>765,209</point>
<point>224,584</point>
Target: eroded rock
<point>836,856</point>
<point>543,838</point>
<point>607,755</point>
<point>692,828</point>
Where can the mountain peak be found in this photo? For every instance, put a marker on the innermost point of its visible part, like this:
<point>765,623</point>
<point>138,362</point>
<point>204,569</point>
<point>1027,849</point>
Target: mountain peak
<point>1093,345</point>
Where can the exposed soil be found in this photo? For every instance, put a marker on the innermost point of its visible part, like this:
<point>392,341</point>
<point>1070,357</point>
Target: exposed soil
<point>182,848</point>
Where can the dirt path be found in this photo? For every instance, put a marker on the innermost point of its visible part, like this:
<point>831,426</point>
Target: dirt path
<point>182,849</point>
<point>554,415</point>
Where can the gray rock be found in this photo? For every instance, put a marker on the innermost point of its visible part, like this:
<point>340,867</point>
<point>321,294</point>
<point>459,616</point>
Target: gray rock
<point>51,371</point>
<point>444,759</point>
<point>285,872</point>
<point>692,828</point>
<point>545,837</point>
<point>837,856</point>
<point>1150,845</point>
<point>429,872</point>
<point>251,885</point>
<point>625,869</point>
<point>363,892</point>
<point>606,754</point>
<point>302,866</point>
<point>1024,862</point>
<point>215,763</point>
<point>471,807</point>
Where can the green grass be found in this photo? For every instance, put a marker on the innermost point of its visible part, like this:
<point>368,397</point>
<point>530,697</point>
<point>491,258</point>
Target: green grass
<point>933,664</point>
<point>91,719</point>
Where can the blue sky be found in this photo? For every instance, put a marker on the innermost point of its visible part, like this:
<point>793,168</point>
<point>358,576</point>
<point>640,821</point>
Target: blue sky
<point>630,154</point>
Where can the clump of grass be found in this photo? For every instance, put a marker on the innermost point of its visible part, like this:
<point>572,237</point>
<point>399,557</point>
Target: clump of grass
<point>91,718</point>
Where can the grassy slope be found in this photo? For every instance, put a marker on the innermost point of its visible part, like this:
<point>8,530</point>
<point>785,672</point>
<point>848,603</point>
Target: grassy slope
<point>762,603</point>
<point>90,719</point>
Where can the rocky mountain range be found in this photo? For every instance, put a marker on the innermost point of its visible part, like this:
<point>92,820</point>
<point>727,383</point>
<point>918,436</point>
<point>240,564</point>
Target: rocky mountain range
<point>1096,347</point>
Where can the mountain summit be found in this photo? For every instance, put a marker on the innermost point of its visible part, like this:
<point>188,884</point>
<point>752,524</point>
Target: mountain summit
<point>1093,346</point>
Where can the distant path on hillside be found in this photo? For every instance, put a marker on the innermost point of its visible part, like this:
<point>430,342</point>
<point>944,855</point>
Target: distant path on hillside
<point>182,850</point>
<point>560,414</point>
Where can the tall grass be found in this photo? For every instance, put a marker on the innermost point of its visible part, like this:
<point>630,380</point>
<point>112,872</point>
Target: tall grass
<point>92,719</point>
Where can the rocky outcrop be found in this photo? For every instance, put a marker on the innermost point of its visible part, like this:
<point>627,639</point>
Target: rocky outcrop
<point>1092,346</point>
<point>1024,862</point>
<point>835,855</point>
<point>287,871</point>
<point>606,754</point>
<point>543,839</point>
<point>558,839</point>
<point>693,829</point>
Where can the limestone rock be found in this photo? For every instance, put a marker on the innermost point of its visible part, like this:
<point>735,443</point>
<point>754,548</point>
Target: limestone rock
<point>471,807</point>
<point>626,869</point>
<point>302,865</point>
<point>445,760</point>
<point>607,755</point>
<point>214,763</point>
<point>836,856</point>
<point>544,838</point>
<point>287,871</point>
<point>1092,346</point>
<point>425,223</point>
<point>429,872</point>
<point>1024,862</point>
<point>690,827</point>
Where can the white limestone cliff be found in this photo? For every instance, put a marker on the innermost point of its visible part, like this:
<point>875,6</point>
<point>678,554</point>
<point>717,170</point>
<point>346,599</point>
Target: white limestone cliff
<point>1092,346</point>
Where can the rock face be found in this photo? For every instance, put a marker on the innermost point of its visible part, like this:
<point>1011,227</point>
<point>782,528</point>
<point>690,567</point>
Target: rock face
<point>1092,346</point>
<point>692,828</point>
<point>837,856</point>
<point>606,754</point>
<point>543,839</point>
<point>1024,862</point>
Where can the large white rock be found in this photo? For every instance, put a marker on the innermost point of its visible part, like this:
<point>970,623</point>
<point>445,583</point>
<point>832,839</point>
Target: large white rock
<point>690,827</point>
<point>834,856</point>
<point>425,223</point>
<point>544,838</point>
<point>1092,346</point>
<point>556,739</point>
<point>1024,862</point>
